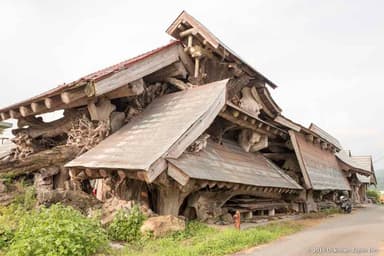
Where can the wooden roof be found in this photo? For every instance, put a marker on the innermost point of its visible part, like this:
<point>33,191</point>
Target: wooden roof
<point>164,129</point>
<point>319,166</point>
<point>102,82</point>
<point>366,162</point>
<point>325,135</point>
<point>345,157</point>
<point>199,30</point>
<point>229,163</point>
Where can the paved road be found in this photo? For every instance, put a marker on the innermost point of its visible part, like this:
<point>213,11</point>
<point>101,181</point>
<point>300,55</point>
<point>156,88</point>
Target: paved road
<point>359,233</point>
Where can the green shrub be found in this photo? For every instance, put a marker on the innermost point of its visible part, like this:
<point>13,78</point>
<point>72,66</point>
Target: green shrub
<point>57,230</point>
<point>374,194</point>
<point>199,239</point>
<point>126,227</point>
<point>6,236</point>
<point>11,215</point>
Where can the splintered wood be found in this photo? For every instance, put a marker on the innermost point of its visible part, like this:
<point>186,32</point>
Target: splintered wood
<point>24,146</point>
<point>85,134</point>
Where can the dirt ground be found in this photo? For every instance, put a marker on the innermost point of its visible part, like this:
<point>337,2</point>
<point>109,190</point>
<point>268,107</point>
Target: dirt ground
<point>359,233</point>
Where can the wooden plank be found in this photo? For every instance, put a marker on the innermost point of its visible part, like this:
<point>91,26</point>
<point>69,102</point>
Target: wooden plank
<point>14,114</point>
<point>177,83</point>
<point>137,70</point>
<point>38,107</point>
<point>307,182</point>
<point>52,102</point>
<point>186,60</point>
<point>176,70</point>
<point>73,95</point>
<point>5,116</point>
<point>132,89</point>
<point>197,128</point>
<point>102,110</point>
<point>287,123</point>
<point>156,169</point>
<point>25,111</point>
<point>177,174</point>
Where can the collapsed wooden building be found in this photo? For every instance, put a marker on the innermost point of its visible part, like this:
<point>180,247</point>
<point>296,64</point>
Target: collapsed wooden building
<point>186,129</point>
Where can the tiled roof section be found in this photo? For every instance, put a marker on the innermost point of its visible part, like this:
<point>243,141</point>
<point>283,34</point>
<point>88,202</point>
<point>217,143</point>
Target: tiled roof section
<point>323,134</point>
<point>150,135</point>
<point>320,166</point>
<point>344,156</point>
<point>364,161</point>
<point>96,76</point>
<point>229,163</point>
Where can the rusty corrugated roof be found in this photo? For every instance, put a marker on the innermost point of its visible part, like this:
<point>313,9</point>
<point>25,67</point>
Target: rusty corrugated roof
<point>95,76</point>
<point>148,136</point>
<point>229,163</point>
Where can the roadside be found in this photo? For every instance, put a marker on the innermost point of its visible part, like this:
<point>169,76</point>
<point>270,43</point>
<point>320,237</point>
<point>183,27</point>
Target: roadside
<point>201,239</point>
<point>359,233</point>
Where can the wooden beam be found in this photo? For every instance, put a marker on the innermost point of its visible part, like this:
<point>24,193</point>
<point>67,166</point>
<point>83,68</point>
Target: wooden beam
<point>14,114</point>
<point>25,111</point>
<point>178,175</point>
<point>229,117</point>
<point>73,95</point>
<point>309,137</point>
<point>156,169</point>
<point>177,83</point>
<point>186,60</point>
<point>300,159</point>
<point>38,107</point>
<point>132,89</point>
<point>102,110</point>
<point>176,70</point>
<point>5,115</point>
<point>52,102</point>
<point>138,70</point>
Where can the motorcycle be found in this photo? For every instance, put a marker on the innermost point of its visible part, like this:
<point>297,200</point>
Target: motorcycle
<point>345,204</point>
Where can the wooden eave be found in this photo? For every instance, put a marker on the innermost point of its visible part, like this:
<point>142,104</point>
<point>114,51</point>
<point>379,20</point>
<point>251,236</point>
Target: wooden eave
<point>268,101</point>
<point>105,82</point>
<point>186,24</point>
<point>245,119</point>
<point>318,139</point>
<point>287,123</point>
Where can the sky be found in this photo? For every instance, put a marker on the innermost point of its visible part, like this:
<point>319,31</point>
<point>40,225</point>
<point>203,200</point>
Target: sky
<point>327,57</point>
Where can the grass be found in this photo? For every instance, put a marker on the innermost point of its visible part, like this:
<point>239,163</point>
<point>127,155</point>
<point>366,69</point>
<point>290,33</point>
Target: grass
<point>199,239</point>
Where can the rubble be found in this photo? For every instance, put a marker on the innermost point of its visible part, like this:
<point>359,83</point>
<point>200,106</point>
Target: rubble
<point>162,225</point>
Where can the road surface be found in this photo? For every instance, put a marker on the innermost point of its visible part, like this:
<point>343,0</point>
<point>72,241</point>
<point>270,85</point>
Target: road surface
<point>360,233</point>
